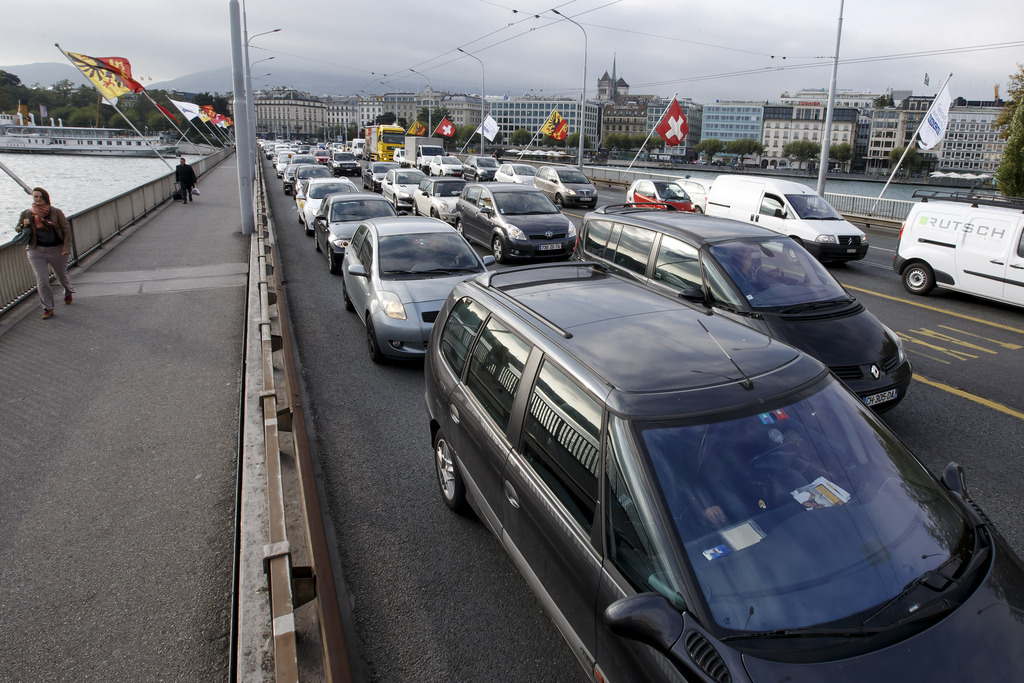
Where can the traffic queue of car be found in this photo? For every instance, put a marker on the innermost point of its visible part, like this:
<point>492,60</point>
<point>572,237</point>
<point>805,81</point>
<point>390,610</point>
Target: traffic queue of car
<point>672,427</point>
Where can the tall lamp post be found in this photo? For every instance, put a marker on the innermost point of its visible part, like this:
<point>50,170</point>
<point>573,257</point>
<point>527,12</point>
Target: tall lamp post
<point>583,92</point>
<point>251,96</point>
<point>483,89</point>
<point>430,106</point>
<point>250,110</point>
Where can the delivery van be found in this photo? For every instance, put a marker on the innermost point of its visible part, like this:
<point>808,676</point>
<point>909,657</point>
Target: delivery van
<point>963,241</point>
<point>788,208</point>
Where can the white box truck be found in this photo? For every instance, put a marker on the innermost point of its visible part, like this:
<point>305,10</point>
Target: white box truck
<point>419,151</point>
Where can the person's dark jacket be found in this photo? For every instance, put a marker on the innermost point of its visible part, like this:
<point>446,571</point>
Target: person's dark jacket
<point>185,175</point>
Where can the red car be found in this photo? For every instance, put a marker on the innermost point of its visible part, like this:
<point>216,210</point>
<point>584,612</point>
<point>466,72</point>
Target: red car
<point>659,192</point>
<point>322,156</point>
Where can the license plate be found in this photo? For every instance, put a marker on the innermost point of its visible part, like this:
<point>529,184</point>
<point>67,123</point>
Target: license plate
<point>549,247</point>
<point>875,399</point>
<point>851,251</point>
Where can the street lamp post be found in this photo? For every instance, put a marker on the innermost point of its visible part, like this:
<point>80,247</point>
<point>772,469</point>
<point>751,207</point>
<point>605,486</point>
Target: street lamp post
<point>430,106</point>
<point>483,89</point>
<point>250,110</point>
<point>251,96</point>
<point>584,91</point>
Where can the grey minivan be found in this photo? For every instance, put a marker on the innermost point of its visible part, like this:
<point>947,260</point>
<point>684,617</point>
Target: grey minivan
<point>565,186</point>
<point>691,500</point>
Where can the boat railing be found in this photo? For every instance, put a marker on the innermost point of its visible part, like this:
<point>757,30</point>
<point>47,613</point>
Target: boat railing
<point>91,228</point>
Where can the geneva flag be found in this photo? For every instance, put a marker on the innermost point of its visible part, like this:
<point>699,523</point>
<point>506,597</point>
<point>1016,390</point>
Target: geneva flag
<point>555,127</point>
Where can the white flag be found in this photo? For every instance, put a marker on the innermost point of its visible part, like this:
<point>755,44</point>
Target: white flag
<point>490,127</point>
<point>933,128</point>
<point>187,108</point>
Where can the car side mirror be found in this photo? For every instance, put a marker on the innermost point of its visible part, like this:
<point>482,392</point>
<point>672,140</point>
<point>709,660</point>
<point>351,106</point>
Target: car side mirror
<point>486,210</point>
<point>953,479</point>
<point>646,618</point>
<point>779,213</point>
<point>489,260</point>
<point>357,270</point>
<point>320,217</point>
<point>693,294</point>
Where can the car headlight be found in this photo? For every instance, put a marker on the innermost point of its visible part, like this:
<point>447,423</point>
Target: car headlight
<point>864,239</point>
<point>392,305</point>
<point>899,343</point>
<point>404,195</point>
<point>339,242</point>
<point>571,231</point>
<point>570,192</point>
<point>446,207</point>
<point>828,239</point>
<point>515,233</point>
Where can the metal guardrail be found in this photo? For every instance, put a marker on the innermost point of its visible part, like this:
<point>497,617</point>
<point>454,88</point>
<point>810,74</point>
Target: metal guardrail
<point>93,227</point>
<point>291,586</point>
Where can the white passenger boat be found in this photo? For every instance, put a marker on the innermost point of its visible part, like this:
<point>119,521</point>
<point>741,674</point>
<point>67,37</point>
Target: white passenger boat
<point>16,136</point>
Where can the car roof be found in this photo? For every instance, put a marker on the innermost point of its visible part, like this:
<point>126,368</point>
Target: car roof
<point>648,353</point>
<point>694,227</point>
<point>508,187</point>
<point>354,196</point>
<point>408,225</point>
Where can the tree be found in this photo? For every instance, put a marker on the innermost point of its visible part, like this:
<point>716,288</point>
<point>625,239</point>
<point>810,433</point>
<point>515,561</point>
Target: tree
<point>1010,174</point>
<point>912,162</point>
<point>842,152</point>
<point>744,148</point>
<point>388,118</point>
<point>884,101</point>
<point>709,148</point>
<point>803,150</point>
<point>9,80</point>
<point>62,89</point>
<point>1013,91</point>
<point>521,136</point>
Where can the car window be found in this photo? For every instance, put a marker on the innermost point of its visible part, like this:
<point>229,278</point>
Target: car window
<point>640,555</point>
<point>366,253</point>
<point>596,237</point>
<point>486,201</point>
<point>644,187</point>
<point>562,441</point>
<point>495,369</point>
<point>524,203</point>
<point>357,239</point>
<point>462,325</point>
<point>426,185</point>
<point>361,209</point>
<point>770,204</point>
<point>776,273</point>
<point>427,252</point>
<point>472,194</point>
<point>634,248</point>
<point>722,292</point>
<point>1020,246</point>
<point>448,188</point>
<point>677,265</point>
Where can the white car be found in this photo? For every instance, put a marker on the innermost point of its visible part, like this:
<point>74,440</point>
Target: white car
<point>437,197</point>
<point>698,189</point>
<point>311,192</point>
<point>399,157</point>
<point>515,173</point>
<point>283,159</point>
<point>445,166</point>
<point>398,186</point>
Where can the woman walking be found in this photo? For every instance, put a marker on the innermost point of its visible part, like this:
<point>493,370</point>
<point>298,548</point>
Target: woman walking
<point>49,245</point>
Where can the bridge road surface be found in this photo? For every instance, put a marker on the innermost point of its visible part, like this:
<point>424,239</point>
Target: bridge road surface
<point>118,444</point>
<point>435,597</point>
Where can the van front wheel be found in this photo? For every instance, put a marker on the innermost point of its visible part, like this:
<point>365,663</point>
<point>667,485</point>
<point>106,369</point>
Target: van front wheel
<point>918,278</point>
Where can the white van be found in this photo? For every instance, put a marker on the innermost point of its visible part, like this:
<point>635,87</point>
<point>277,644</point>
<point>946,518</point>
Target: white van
<point>788,208</point>
<point>965,242</point>
<point>358,145</point>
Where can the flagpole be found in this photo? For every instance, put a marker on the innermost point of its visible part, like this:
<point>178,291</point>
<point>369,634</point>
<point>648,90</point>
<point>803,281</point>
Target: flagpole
<point>907,149</point>
<point>660,119</point>
<point>144,139</point>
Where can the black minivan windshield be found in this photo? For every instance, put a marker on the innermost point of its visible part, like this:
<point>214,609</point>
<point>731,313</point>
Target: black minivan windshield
<point>808,514</point>
<point>776,273</point>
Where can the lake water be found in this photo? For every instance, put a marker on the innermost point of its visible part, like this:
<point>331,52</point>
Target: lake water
<point>74,182</point>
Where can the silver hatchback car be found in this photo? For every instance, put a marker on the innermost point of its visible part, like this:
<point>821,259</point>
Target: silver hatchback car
<point>565,186</point>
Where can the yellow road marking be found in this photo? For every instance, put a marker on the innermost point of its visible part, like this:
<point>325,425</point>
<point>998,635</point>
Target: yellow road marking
<point>922,353</point>
<point>959,355</point>
<point>970,397</point>
<point>937,310</point>
<point>953,340</point>
<point>1005,345</point>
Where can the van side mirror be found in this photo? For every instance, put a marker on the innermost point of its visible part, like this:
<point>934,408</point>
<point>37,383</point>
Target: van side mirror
<point>779,213</point>
<point>646,618</point>
<point>953,479</point>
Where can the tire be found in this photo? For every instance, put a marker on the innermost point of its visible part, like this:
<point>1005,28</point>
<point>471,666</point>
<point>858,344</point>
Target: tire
<point>558,201</point>
<point>371,342</point>
<point>449,479</point>
<point>918,278</point>
<point>306,229</point>
<point>344,295</point>
<point>697,209</point>
<point>316,241</point>
<point>433,213</point>
<point>333,267</point>
<point>498,249</point>
<point>458,227</point>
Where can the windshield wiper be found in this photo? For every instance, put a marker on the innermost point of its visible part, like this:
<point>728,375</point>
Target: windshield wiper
<point>814,305</point>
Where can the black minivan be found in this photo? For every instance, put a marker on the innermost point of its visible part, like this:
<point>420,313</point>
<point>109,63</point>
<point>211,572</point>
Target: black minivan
<point>692,500</point>
<point>758,277</point>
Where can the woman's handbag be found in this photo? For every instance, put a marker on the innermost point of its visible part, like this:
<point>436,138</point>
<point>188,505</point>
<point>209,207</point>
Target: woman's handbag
<point>23,237</point>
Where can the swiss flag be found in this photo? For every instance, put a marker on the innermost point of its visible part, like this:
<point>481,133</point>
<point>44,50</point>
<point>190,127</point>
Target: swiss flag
<point>673,128</point>
<point>445,128</point>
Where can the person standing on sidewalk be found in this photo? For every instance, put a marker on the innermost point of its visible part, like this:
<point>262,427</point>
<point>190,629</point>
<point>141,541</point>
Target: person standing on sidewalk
<point>186,178</point>
<point>48,247</point>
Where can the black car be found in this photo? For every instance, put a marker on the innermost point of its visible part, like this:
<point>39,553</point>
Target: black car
<point>692,500</point>
<point>515,221</point>
<point>758,277</point>
<point>344,163</point>
<point>374,172</point>
<point>337,219</point>
<point>479,168</point>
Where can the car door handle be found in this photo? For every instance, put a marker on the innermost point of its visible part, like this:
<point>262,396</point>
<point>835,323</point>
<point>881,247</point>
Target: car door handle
<point>998,263</point>
<point>753,218</point>
<point>1014,265</point>
<point>510,493</point>
<point>454,413</point>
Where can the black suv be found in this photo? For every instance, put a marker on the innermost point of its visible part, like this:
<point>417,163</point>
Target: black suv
<point>690,499</point>
<point>344,163</point>
<point>758,277</point>
<point>479,168</point>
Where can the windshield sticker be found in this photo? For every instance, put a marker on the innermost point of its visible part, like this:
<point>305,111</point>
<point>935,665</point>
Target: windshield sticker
<point>716,552</point>
<point>820,493</point>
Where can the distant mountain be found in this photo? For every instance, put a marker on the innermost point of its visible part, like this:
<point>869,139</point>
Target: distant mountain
<point>212,81</point>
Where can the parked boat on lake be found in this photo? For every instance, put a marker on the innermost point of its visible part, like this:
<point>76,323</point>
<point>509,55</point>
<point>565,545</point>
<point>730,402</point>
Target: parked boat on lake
<point>30,138</point>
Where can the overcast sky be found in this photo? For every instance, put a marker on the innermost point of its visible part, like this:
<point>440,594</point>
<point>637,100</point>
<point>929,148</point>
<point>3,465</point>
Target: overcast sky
<point>708,51</point>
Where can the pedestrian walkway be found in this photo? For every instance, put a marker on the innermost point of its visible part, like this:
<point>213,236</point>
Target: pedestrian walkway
<point>119,442</point>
